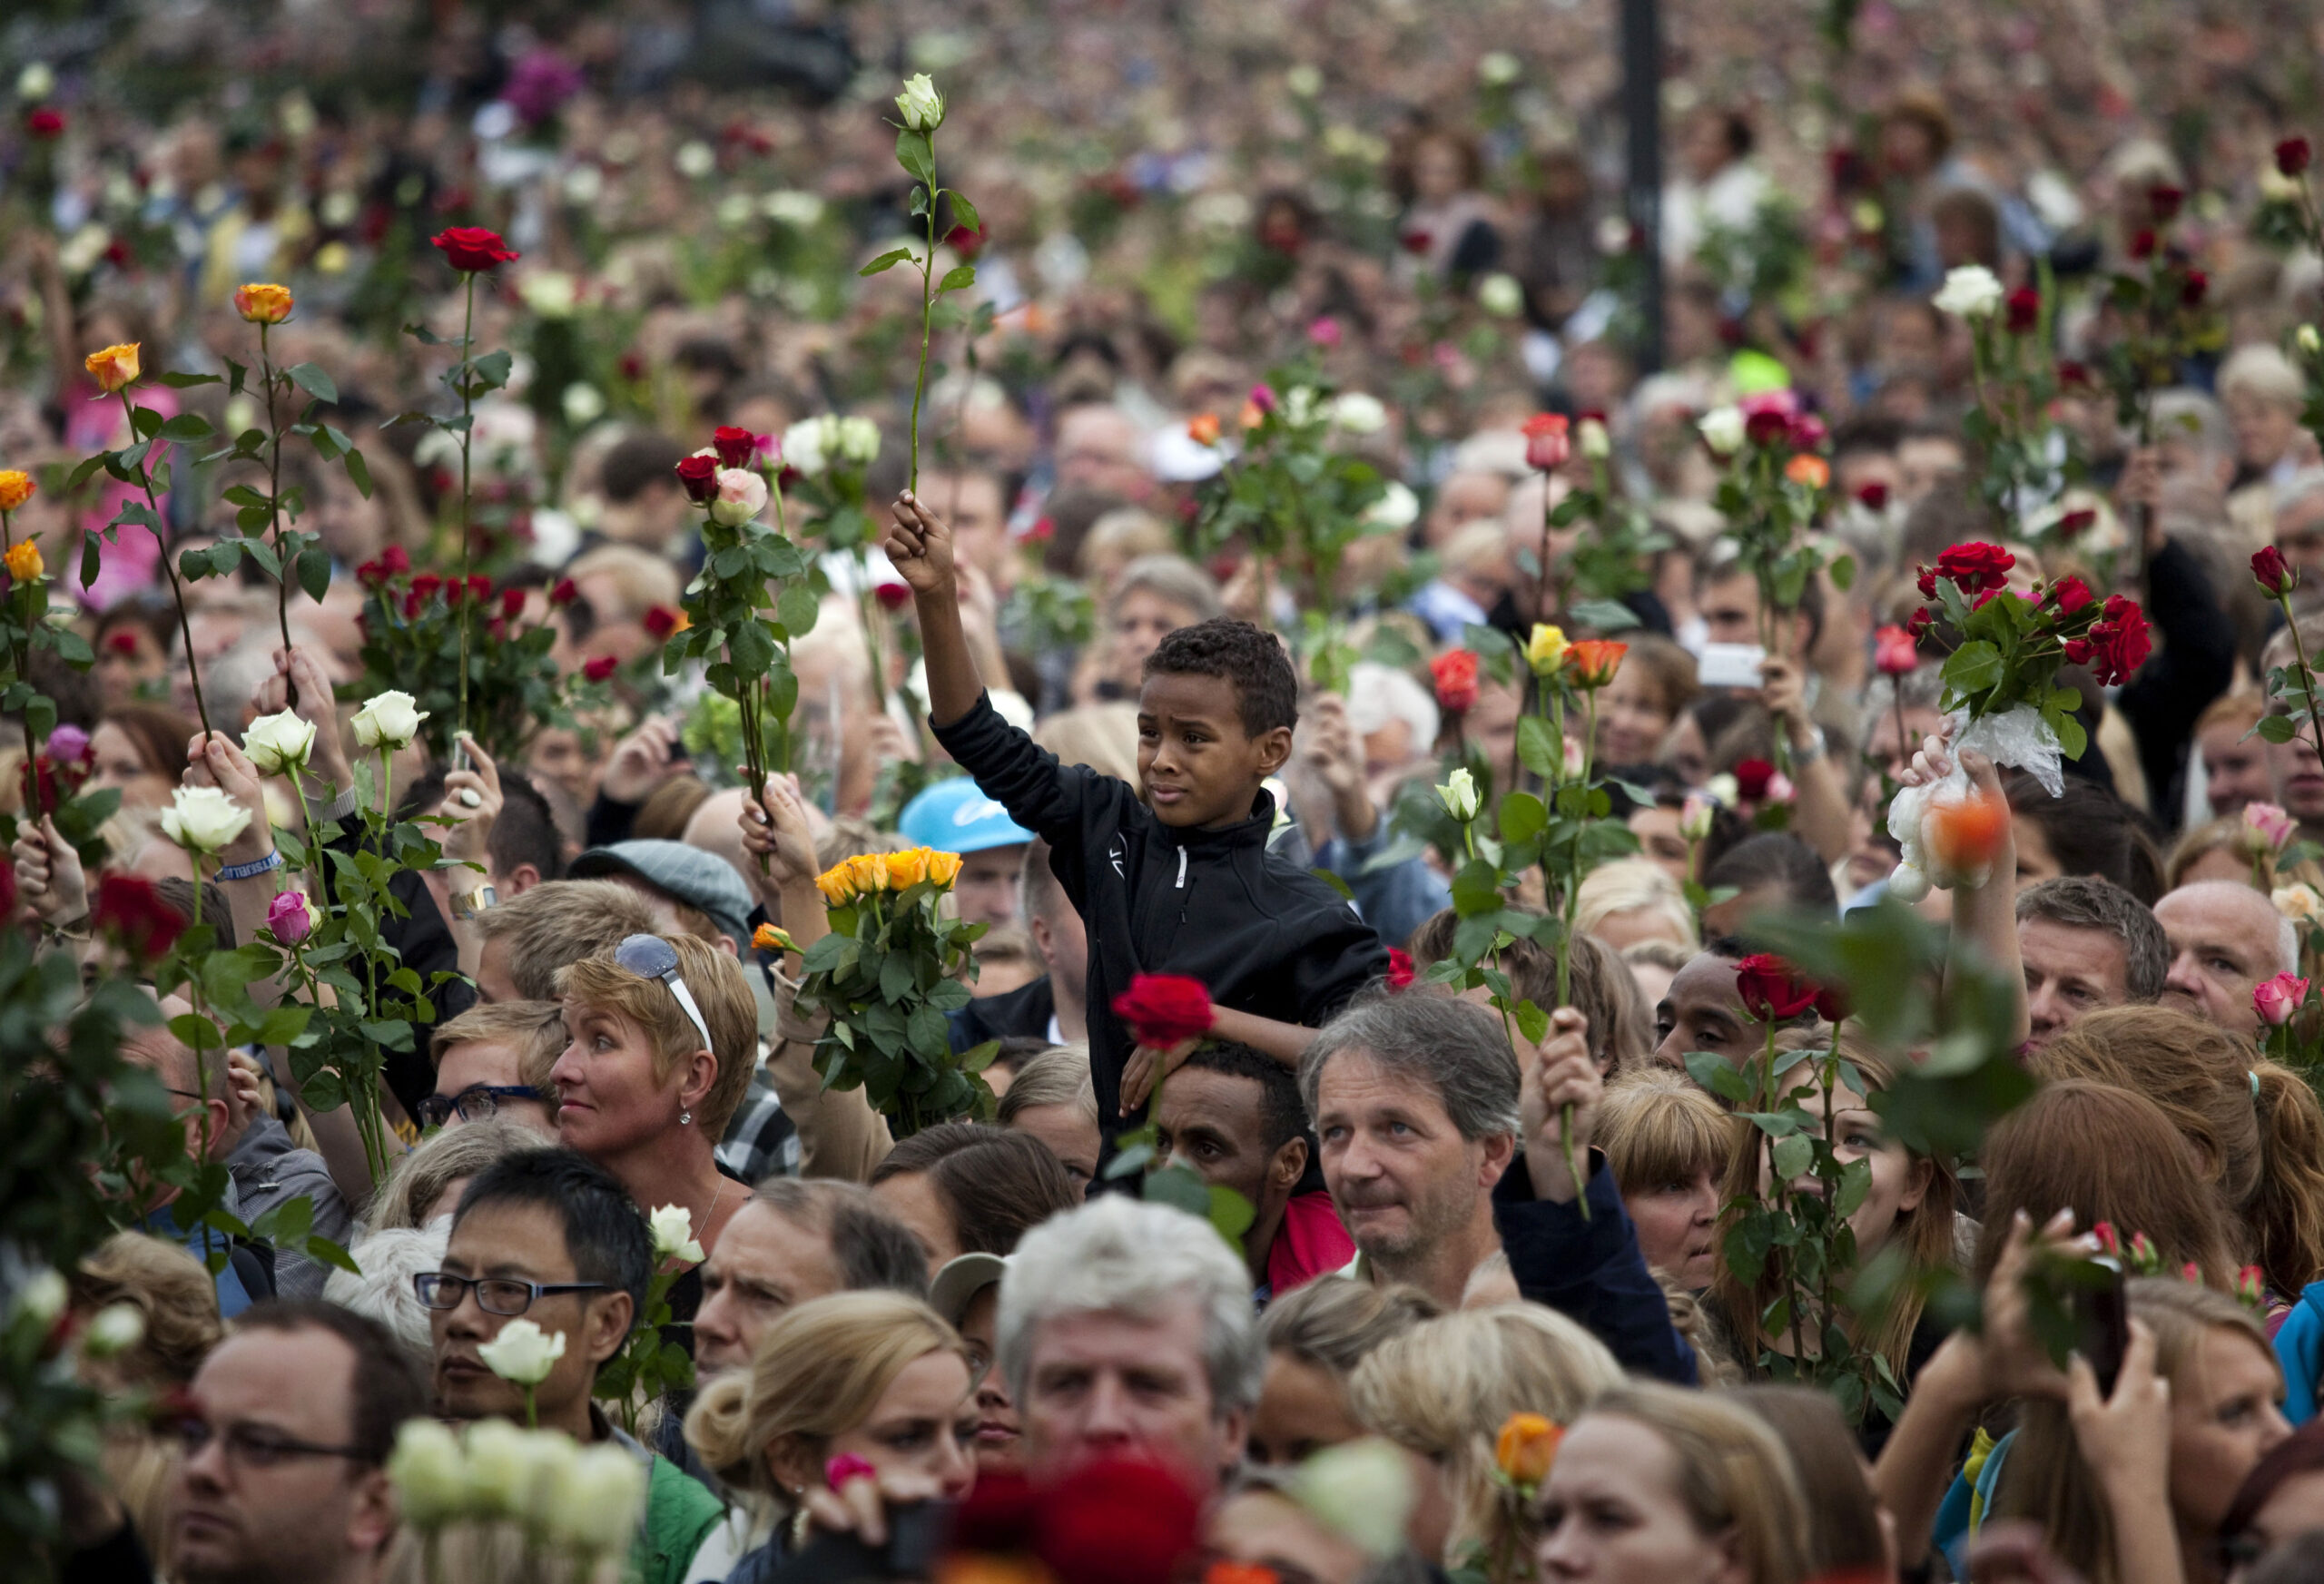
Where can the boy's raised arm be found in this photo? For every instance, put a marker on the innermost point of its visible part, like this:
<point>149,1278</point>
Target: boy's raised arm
<point>921,548</point>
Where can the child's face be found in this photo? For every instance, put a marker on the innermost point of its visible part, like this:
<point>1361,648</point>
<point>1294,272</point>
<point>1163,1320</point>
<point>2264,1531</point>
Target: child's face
<point>1196,763</point>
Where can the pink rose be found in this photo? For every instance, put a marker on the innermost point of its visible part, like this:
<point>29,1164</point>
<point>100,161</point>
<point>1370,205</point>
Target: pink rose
<point>741,496</point>
<point>2270,824</point>
<point>289,919</point>
<point>2277,999</point>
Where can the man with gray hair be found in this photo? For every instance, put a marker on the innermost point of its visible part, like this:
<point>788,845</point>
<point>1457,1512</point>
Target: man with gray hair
<point>1438,1155</point>
<point>1126,1330</point>
<point>2086,943</point>
<point>2225,939</point>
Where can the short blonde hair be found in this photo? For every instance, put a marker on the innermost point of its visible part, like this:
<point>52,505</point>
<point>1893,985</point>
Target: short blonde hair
<point>166,1285</point>
<point>536,1028</point>
<point>562,922</point>
<point>1634,885</point>
<point>643,579</point>
<point>719,988</point>
<point>1444,1388</point>
<point>1657,1126</point>
<point>1059,1075</point>
<point>1734,1474</point>
<point>818,1372</point>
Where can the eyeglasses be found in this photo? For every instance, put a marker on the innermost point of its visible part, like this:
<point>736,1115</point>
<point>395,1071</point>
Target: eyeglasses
<point>248,1447</point>
<point>651,957</point>
<point>476,1103</point>
<point>493,1295</point>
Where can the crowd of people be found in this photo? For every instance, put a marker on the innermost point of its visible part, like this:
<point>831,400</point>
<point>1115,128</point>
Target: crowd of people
<point>1051,663</point>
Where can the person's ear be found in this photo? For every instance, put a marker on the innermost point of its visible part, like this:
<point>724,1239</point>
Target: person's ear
<point>1274,749</point>
<point>1500,1149</point>
<point>791,1461</point>
<point>608,1326</point>
<point>701,1073</point>
<point>371,1517</point>
<point>1290,1163</point>
<point>521,879</point>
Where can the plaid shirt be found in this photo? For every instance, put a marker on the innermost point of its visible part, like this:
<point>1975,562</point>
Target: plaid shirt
<point>761,1142</point>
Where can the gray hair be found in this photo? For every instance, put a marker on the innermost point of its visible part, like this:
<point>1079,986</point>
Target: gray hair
<point>1455,1048</point>
<point>1121,1255</point>
<point>2084,901</point>
<point>1171,577</point>
<point>1377,695</point>
<point>389,1258</point>
<point>418,1179</point>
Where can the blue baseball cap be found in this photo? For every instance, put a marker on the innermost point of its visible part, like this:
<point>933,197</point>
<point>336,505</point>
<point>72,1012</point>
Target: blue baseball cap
<point>955,816</point>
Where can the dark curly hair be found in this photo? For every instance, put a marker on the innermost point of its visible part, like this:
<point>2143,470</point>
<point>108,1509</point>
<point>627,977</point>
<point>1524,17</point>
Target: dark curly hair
<point>1266,691</point>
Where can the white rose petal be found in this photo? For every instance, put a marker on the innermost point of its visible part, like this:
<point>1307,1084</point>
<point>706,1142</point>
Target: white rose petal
<point>1359,414</point>
<point>203,819</point>
<point>1591,438</point>
<point>1299,405</point>
<point>523,1353</point>
<point>921,106</point>
<point>859,440</point>
<point>695,161</point>
<point>807,445</point>
<point>35,82</point>
<point>1304,80</point>
<point>741,496</point>
<point>552,1458</point>
<point>1397,509</point>
<point>429,1473</point>
<point>117,1328</point>
<point>1498,69</point>
<point>792,208</point>
<point>672,1228</point>
<point>1501,296</point>
<point>1971,292</point>
<point>1459,795</point>
<point>1360,1490</point>
<point>1722,429</point>
<point>278,743</point>
<point>604,1499</point>
<point>390,721</point>
<point>2307,340</point>
<point>551,293</point>
<point>41,1299</point>
<point>584,403</point>
<point>500,1464</point>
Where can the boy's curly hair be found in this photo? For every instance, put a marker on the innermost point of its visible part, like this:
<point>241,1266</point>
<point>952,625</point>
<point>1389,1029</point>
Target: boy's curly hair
<point>1266,691</point>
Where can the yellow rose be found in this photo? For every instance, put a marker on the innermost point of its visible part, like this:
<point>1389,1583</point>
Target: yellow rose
<point>944,868</point>
<point>115,367</point>
<point>908,868</point>
<point>262,303</point>
<point>869,870</point>
<point>1545,649</point>
<point>16,488</point>
<point>24,562</point>
<point>837,883</point>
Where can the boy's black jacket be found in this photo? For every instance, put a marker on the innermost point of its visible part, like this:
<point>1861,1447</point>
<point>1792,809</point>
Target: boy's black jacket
<point>1262,934</point>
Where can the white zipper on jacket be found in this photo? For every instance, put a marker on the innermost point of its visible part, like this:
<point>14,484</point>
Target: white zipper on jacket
<point>1182,868</point>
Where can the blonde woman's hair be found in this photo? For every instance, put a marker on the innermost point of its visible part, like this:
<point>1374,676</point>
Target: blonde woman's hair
<point>563,922</point>
<point>2045,1478</point>
<point>1059,1075</point>
<point>818,1372</point>
<point>641,579</point>
<point>1634,885</point>
<point>1332,1322</point>
<point>417,1180</point>
<point>1658,1126</point>
<point>720,990</point>
<point>1444,1388</point>
<point>1102,736</point>
<point>166,1285</point>
<point>1734,1475</point>
<point>536,1028</point>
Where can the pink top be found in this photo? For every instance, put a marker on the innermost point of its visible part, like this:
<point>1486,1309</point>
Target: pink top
<point>94,422</point>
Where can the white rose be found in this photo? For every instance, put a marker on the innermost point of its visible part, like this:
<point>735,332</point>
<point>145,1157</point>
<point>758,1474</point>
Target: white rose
<point>523,1353</point>
<point>584,403</point>
<point>584,186</point>
<point>673,1227</point>
<point>793,207</point>
<point>922,105</point>
<point>1591,438</point>
<point>117,1328</point>
<point>603,1500</point>
<point>499,1464</point>
<point>1498,69</point>
<point>552,1456</point>
<point>1299,405</point>
<point>695,161</point>
<point>550,293</point>
<point>1359,414</point>
<point>807,445</point>
<point>429,1473</point>
<point>41,1299</point>
<point>859,440</point>
<point>741,496</point>
<point>2300,903</point>
<point>278,743</point>
<point>1722,429</point>
<point>1501,296</point>
<point>1304,80</point>
<point>203,819</point>
<point>1360,1490</point>
<point>35,82</point>
<point>2308,341</point>
<point>1398,509</point>
<point>1459,795</point>
<point>390,721</point>
<point>1971,292</point>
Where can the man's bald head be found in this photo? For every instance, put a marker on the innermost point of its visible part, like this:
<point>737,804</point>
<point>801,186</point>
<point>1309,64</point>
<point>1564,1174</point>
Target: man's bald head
<point>2225,939</point>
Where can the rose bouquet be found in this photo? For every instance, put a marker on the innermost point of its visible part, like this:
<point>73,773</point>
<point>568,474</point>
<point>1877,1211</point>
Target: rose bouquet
<point>1774,490</point>
<point>890,970</point>
<point>2000,694</point>
<point>530,1506</point>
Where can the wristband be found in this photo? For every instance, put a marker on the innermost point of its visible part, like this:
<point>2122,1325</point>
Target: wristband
<point>1812,750</point>
<point>253,868</point>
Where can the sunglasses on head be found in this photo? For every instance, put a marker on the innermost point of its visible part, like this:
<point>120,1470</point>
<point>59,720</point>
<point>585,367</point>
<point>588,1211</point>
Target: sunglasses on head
<point>651,957</point>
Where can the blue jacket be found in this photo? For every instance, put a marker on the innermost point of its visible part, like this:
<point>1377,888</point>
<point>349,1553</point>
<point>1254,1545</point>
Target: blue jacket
<point>2299,1348</point>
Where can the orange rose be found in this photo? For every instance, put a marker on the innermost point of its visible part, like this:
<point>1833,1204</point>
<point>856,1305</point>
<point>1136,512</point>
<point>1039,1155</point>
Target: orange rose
<point>869,870</point>
<point>908,868</point>
<point>838,885</point>
<point>16,488</point>
<point>115,367</point>
<point>1526,1448</point>
<point>262,303</point>
<point>1203,428</point>
<point>1812,471</point>
<point>24,562</point>
<point>944,868</point>
<point>1595,660</point>
<point>1253,415</point>
<point>769,938</point>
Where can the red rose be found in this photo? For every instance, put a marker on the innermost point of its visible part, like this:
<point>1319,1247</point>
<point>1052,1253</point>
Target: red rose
<point>2122,641</point>
<point>1919,623</point>
<point>698,476</point>
<point>371,573</point>
<point>1831,1005</point>
<point>396,560</point>
<point>128,908</point>
<point>2142,245</point>
<point>2276,576</point>
<point>1456,672</point>
<point>480,587</point>
<point>562,591</point>
<point>599,668</point>
<point>893,596</point>
<point>966,242</point>
<point>2165,201</point>
<point>1808,432</point>
<point>512,603</point>
<point>426,584</point>
<point>1771,988</point>
<point>473,250</point>
<point>2024,310</point>
<point>1768,427</point>
<point>1752,778</point>
<point>1547,441</point>
<point>2074,375</point>
<point>1043,530</point>
<point>1874,496</point>
<point>1117,1521</point>
<point>2192,291</point>
<point>1894,651</point>
<point>1974,568</point>
<point>2076,523</point>
<point>661,621</point>
<point>123,641</point>
<point>2070,594</point>
<point>735,448</point>
<point>1926,582</point>
<point>45,125</point>
<point>1401,972</point>
<point>1163,1008</point>
<point>2292,156</point>
<point>1416,243</point>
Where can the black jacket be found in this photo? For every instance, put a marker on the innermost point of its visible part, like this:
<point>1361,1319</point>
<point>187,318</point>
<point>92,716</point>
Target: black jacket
<point>1023,1013</point>
<point>1262,934</point>
<point>2193,665</point>
<point>1590,1270</point>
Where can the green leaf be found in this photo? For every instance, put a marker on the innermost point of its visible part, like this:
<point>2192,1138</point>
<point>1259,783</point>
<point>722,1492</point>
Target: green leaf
<point>1792,1157</point>
<point>1973,668</point>
<point>314,573</point>
<point>1720,1077</point>
<point>186,425</point>
<point>311,379</point>
<point>964,213</point>
<point>492,369</point>
<point>1605,614</point>
<point>1522,817</point>
<point>1334,882</point>
<point>957,278</point>
<point>1537,747</point>
<point>1842,572</point>
<point>2277,728</point>
<point>885,263</point>
<point>176,381</point>
<point>360,472</point>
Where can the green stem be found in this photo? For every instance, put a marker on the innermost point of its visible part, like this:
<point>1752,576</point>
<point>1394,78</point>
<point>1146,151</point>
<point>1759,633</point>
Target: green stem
<point>927,311</point>
<point>467,411</point>
<point>2307,675</point>
<point>1565,938</point>
<point>177,589</point>
<point>274,504</point>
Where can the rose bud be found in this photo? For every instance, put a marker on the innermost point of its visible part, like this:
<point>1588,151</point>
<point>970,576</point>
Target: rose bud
<point>2292,156</point>
<point>600,668</point>
<point>2276,576</point>
<point>698,476</point>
